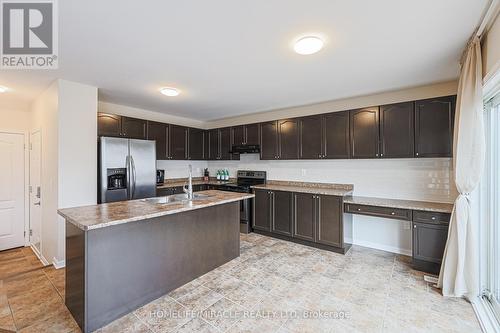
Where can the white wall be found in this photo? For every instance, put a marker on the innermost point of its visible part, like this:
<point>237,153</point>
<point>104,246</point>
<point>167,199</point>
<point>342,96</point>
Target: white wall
<point>45,117</point>
<point>66,114</point>
<point>490,49</point>
<point>403,95</point>
<point>129,111</point>
<point>415,179</point>
<point>77,168</point>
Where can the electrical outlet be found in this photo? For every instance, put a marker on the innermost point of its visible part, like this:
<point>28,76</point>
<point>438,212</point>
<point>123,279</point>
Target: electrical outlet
<point>303,172</point>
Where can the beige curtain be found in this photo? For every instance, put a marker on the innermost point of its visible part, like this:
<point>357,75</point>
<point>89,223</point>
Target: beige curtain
<point>459,271</point>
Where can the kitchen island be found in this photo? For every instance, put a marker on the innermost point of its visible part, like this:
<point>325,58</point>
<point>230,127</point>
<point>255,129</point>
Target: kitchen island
<point>122,255</point>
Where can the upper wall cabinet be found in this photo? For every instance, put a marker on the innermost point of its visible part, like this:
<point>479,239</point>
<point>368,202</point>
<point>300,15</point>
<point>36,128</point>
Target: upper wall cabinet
<point>113,125</point>
<point>336,135</point>
<point>252,134</point>
<point>311,137</point>
<point>159,133</point>
<point>365,132</point>
<point>134,128</point>
<point>178,142</point>
<point>396,130</point>
<point>109,124</point>
<point>269,140</point>
<point>245,134</point>
<point>434,127</point>
<point>288,139</point>
<point>196,144</point>
<point>220,144</point>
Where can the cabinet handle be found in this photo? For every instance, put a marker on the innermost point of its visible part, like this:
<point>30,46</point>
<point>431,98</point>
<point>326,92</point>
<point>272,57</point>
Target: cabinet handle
<point>392,213</point>
<point>433,218</point>
<point>414,226</point>
<point>320,156</point>
<point>359,209</point>
<point>376,155</point>
<point>381,155</point>
<point>416,154</point>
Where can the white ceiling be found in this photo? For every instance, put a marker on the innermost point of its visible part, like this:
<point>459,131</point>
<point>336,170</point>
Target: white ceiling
<point>235,57</point>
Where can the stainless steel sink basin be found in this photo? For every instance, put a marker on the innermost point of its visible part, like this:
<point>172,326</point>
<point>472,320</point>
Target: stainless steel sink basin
<point>177,198</point>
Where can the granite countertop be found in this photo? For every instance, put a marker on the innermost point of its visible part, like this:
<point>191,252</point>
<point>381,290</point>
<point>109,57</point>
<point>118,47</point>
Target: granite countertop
<point>438,207</point>
<point>196,181</point>
<point>306,187</point>
<point>108,214</point>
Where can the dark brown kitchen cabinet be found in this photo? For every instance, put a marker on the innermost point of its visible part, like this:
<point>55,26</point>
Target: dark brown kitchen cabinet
<point>269,140</point>
<point>281,212</point>
<point>311,137</point>
<point>225,145</point>
<point>262,210</point>
<point>434,127</point>
<point>196,144</point>
<point>364,133</point>
<point>159,133</point>
<point>397,130</point>
<point>134,128</point>
<point>329,220</point>
<point>337,135</point>
<point>178,142</point>
<point>213,144</point>
<point>429,241</point>
<point>109,124</point>
<point>304,226</point>
<point>288,139</point>
<point>252,134</point>
<point>220,144</point>
<point>245,134</point>
<point>238,135</point>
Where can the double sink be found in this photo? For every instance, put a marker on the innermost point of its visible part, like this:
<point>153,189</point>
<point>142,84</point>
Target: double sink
<point>177,198</point>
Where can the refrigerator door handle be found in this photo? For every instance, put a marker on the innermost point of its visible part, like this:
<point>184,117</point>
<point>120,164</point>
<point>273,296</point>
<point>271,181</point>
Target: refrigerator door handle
<point>127,164</point>
<point>134,174</point>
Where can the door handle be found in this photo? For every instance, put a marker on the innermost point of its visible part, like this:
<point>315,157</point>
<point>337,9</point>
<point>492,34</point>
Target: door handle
<point>134,176</point>
<point>36,203</point>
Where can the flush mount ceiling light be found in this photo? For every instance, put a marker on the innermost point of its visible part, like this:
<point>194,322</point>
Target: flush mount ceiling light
<point>308,45</point>
<point>3,89</point>
<point>170,92</point>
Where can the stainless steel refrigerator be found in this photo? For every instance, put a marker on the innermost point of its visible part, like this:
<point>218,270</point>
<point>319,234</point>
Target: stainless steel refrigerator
<point>127,169</point>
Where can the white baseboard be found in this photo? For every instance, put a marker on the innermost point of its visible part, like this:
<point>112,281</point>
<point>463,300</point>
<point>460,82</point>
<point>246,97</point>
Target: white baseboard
<point>382,247</point>
<point>58,263</point>
<point>39,255</point>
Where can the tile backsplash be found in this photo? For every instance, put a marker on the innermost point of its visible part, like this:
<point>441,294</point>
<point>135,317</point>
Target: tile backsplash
<point>414,179</point>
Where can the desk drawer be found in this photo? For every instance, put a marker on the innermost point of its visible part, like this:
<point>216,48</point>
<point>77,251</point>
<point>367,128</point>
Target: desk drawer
<point>386,212</point>
<point>431,217</point>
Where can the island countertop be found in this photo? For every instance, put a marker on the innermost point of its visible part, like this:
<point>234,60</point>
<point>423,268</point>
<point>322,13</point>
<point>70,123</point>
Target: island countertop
<point>114,213</point>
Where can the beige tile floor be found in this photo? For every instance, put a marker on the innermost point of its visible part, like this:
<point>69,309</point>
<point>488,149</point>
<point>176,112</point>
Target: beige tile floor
<point>274,286</point>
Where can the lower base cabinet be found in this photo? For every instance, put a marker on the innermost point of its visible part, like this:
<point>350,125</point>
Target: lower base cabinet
<point>429,241</point>
<point>160,192</point>
<point>311,219</point>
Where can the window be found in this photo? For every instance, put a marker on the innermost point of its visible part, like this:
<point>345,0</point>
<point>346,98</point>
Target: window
<point>490,210</point>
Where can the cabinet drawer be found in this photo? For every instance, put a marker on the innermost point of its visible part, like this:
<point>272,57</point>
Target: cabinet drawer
<point>387,212</point>
<point>431,217</point>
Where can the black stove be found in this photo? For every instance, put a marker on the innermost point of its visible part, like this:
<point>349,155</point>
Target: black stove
<point>243,184</point>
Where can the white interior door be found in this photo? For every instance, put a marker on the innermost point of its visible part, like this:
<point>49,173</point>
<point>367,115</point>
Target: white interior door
<point>11,190</point>
<point>35,190</point>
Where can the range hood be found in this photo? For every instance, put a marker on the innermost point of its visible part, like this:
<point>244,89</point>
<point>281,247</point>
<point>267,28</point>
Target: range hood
<point>245,149</point>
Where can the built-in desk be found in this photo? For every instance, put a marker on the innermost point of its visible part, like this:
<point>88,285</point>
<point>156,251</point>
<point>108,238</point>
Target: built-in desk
<point>429,220</point>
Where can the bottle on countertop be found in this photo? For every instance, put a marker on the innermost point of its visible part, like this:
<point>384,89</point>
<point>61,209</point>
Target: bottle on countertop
<point>218,175</point>
<point>227,174</point>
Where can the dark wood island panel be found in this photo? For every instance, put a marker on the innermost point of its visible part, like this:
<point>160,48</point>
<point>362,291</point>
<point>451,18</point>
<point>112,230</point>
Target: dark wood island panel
<point>114,270</point>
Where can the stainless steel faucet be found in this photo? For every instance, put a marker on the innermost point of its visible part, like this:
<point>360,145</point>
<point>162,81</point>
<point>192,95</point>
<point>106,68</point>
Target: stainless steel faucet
<point>189,189</point>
